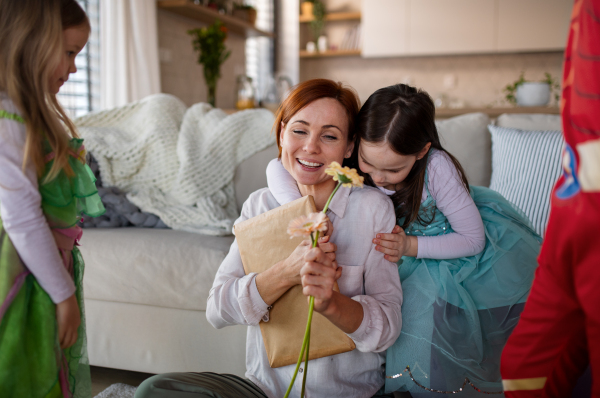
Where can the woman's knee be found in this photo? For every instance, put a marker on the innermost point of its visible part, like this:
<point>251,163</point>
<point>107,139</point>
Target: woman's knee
<point>155,386</point>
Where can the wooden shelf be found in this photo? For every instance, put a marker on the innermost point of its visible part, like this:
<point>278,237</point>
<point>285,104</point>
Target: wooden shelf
<point>337,53</point>
<point>495,112</point>
<point>208,16</point>
<point>334,16</point>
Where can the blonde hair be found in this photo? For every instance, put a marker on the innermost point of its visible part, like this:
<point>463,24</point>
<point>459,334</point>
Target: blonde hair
<point>32,43</point>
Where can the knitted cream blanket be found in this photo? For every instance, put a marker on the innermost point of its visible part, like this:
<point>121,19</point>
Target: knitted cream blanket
<point>175,162</point>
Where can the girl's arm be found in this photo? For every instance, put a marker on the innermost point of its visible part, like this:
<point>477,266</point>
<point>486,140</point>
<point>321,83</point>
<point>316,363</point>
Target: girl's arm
<point>281,184</point>
<point>22,217</point>
<point>457,205</point>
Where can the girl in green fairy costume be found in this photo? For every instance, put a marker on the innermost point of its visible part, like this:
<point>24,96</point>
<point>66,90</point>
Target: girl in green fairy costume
<point>45,186</point>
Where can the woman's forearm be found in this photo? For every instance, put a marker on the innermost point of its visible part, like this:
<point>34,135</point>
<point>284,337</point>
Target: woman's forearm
<point>272,283</point>
<point>345,313</point>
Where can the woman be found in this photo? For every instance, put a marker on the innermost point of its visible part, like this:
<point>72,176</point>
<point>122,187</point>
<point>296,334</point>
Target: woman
<point>314,128</point>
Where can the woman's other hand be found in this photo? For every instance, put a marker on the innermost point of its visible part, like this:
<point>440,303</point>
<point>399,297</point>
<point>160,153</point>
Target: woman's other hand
<point>68,318</point>
<point>394,245</point>
<point>319,274</point>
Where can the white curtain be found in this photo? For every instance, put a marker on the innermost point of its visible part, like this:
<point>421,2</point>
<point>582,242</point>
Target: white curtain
<point>129,54</point>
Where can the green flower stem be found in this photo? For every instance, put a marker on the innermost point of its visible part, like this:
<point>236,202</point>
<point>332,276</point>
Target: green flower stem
<point>304,345</point>
<point>311,306</point>
<point>312,303</point>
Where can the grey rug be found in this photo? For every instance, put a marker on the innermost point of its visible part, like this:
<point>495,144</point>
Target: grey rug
<point>118,390</point>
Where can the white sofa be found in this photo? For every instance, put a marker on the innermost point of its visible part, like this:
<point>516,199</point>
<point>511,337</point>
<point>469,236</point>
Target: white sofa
<point>146,289</point>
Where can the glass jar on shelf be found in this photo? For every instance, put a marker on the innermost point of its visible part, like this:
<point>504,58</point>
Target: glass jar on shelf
<point>244,93</point>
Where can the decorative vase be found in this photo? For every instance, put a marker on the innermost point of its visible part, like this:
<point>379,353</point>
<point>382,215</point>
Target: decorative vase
<point>311,47</point>
<point>307,9</point>
<point>533,94</point>
<point>212,94</point>
<point>322,44</point>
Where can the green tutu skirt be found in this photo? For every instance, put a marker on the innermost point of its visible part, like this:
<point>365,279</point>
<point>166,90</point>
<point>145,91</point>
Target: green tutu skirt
<point>32,362</point>
<point>457,314</point>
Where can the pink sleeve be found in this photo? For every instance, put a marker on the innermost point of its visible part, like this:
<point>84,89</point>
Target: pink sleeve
<point>452,199</point>
<point>281,184</point>
<point>22,217</point>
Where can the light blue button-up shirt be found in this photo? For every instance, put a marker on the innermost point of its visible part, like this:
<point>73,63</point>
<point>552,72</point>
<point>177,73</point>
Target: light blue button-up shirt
<point>357,216</point>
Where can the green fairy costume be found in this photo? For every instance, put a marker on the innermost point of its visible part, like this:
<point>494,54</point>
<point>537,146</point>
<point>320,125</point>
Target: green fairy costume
<point>32,364</point>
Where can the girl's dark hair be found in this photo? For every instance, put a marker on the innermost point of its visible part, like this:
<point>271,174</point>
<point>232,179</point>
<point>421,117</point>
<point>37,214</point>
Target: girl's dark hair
<point>403,117</point>
<point>72,14</point>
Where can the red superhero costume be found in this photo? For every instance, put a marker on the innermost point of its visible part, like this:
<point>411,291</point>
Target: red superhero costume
<point>559,331</point>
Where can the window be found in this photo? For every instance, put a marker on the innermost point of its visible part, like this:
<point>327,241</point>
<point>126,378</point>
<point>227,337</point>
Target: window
<point>81,93</point>
<point>260,61</point>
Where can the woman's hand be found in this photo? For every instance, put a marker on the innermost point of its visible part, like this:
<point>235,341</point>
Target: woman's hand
<point>394,245</point>
<point>278,279</point>
<point>68,318</point>
<point>296,260</point>
<point>319,274</point>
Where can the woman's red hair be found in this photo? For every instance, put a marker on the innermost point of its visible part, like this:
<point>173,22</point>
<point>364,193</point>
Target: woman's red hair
<point>312,90</point>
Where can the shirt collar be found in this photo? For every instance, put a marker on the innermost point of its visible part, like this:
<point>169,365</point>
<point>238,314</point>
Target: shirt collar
<point>340,201</point>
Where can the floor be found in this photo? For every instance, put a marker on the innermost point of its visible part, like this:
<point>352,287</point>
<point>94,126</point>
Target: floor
<point>104,377</point>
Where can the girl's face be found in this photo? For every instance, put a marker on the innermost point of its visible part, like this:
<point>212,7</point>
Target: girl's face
<point>313,138</point>
<point>74,40</point>
<point>387,168</point>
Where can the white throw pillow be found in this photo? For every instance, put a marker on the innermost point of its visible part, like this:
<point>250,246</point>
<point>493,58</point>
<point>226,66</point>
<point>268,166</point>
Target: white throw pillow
<point>466,137</point>
<point>525,167</point>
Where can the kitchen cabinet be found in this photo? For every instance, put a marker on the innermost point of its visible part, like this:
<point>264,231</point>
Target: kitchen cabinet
<point>438,27</point>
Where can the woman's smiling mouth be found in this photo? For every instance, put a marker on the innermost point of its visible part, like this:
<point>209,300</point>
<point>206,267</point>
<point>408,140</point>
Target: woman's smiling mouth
<point>307,165</point>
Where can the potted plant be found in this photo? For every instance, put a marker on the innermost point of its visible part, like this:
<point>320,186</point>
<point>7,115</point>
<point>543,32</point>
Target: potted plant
<point>532,93</point>
<point>245,12</point>
<point>317,24</point>
<point>209,42</point>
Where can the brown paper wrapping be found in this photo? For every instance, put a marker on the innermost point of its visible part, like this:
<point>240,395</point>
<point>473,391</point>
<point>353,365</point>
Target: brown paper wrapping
<point>263,241</point>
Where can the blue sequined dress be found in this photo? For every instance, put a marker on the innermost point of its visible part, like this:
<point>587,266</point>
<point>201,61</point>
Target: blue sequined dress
<point>458,313</point>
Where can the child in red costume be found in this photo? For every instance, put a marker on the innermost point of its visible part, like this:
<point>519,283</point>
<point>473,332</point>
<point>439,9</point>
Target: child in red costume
<point>559,330</point>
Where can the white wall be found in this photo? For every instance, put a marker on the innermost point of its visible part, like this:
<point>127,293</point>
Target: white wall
<point>180,73</point>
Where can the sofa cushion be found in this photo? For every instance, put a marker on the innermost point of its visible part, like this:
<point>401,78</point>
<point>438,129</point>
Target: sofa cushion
<point>534,121</point>
<point>163,268</point>
<point>526,166</point>
<point>251,174</point>
<point>466,137</point>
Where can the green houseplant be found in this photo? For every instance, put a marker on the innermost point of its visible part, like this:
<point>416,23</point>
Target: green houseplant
<point>209,41</point>
<point>318,23</point>
<point>512,90</point>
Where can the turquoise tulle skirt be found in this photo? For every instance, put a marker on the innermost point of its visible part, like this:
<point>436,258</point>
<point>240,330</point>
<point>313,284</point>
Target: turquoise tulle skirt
<point>458,313</point>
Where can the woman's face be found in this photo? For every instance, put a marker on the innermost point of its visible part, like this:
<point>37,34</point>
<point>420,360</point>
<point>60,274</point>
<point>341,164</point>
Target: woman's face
<point>313,138</point>
<point>386,167</point>
<point>74,39</point>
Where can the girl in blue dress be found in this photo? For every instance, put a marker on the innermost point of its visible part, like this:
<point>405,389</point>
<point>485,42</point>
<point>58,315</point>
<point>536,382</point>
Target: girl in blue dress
<point>467,256</point>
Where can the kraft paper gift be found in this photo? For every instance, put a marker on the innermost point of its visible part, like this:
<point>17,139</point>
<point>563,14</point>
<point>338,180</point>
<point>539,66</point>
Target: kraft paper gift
<point>263,241</point>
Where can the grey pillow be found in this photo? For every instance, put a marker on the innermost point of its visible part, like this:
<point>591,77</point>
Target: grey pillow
<point>467,138</point>
<point>526,165</point>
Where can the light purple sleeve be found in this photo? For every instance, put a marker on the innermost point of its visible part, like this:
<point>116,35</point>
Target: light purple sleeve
<point>22,217</point>
<point>281,184</point>
<point>452,199</point>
